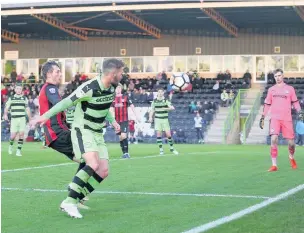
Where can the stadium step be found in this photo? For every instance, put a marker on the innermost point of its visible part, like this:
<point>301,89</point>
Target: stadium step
<point>215,133</point>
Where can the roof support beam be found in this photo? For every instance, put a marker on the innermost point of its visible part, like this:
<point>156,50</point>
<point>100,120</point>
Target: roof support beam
<point>11,36</point>
<point>169,6</point>
<point>140,23</point>
<point>111,32</point>
<point>300,11</point>
<point>92,17</point>
<point>219,19</point>
<point>78,33</point>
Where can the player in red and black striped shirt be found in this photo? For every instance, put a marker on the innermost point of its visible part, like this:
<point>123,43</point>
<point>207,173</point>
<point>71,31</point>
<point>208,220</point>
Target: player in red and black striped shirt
<point>57,133</point>
<point>120,107</point>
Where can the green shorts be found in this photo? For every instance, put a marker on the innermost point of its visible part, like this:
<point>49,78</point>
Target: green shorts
<point>85,140</point>
<point>162,125</point>
<point>18,124</point>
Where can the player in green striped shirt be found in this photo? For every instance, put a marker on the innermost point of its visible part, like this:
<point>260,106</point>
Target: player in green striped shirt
<point>160,106</point>
<point>18,105</point>
<point>93,100</point>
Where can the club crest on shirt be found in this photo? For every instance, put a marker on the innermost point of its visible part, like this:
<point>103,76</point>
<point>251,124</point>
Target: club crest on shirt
<point>272,130</point>
<point>286,91</point>
<point>52,90</point>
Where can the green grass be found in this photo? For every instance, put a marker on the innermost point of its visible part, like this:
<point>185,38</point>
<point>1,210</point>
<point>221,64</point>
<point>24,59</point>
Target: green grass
<point>236,170</point>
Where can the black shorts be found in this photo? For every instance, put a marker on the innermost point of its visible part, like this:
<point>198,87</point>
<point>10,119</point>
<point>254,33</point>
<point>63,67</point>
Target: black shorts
<point>124,126</point>
<point>63,144</point>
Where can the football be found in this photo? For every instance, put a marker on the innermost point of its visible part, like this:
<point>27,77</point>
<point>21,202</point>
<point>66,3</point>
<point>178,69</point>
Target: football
<point>179,81</point>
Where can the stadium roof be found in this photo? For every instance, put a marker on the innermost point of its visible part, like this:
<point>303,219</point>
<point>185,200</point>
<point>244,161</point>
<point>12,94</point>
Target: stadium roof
<point>89,19</point>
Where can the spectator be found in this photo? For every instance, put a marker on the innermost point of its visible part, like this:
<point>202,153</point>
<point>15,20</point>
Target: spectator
<point>199,127</point>
<point>143,98</point>
<point>192,107</point>
<point>199,106</point>
<point>150,96</point>
<point>247,77</point>
<point>180,136</point>
<point>207,117</point>
<point>137,84</point>
<point>230,98</point>
<point>227,75</point>
<point>13,76</point>
<point>220,76</point>
<point>216,87</point>
<point>19,78</point>
<point>270,78</point>
<point>131,130</point>
<point>77,77</point>
<point>32,78</point>
<point>83,77</point>
<point>27,91</point>
<point>224,98</point>
<point>136,96</point>
<point>300,132</point>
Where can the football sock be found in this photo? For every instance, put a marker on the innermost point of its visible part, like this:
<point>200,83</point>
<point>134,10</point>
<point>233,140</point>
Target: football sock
<point>89,187</point>
<point>11,142</point>
<point>20,143</point>
<point>159,143</point>
<point>79,182</point>
<point>170,141</point>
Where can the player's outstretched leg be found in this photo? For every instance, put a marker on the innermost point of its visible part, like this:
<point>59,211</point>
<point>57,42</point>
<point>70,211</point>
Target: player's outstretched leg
<point>292,148</point>
<point>274,153</point>
<point>69,205</point>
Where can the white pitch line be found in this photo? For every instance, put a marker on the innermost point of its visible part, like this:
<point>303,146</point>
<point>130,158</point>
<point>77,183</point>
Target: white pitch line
<point>242,213</point>
<point>135,158</point>
<point>142,193</point>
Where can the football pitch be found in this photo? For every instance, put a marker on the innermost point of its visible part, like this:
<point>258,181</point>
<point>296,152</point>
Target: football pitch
<point>207,188</point>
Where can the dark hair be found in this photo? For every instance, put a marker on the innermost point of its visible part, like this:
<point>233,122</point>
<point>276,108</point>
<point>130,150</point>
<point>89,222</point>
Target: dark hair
<point>277,71</point>
<point>48,67</point>
<point>110,64</point>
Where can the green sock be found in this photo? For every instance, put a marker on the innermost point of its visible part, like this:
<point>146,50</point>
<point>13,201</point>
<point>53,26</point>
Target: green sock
<point>170,141</point>
<point>159,142</point>
<point>90,186</point>
<point>11,142</point>
<point>78,183</point>
<point>20,143</point>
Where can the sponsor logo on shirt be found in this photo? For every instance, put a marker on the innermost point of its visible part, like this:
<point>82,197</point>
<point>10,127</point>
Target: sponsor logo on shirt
<point>280,96</point>
<point>52,90</point>
<point>105,99</point>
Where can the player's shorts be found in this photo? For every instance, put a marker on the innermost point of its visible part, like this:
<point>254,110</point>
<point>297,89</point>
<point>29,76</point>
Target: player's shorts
<point>286,127</point>
<point>124,126</point>
<point>132,132</point>
<point>18,124</point>
<point>162,125</point>
<point>63,144</point>
<point>85,140</point>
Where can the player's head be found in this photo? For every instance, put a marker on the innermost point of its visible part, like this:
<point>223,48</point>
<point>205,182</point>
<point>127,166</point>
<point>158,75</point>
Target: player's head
<point>160,93</point>
<point>278,75</point>
<point>118,90</point>
<point>51,72</point>
<point>113,68</point>
<point>18,89</point>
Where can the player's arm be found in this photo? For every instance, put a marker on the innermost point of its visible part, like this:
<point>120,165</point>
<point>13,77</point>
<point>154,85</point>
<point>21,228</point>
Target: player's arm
<point>7,106</point>
<point>28,110</point>
<point>82,93</point>
<point>110,118</point>
<point>151,113</point>
<point>295,101</point>
<point>267,105</point>
<point>170,106</point>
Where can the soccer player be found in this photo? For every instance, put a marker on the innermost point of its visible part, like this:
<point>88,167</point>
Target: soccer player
<point>18,104</point>
<point>93,100</point>
<point>56,132</point>
<point>160,106</point>
<point>120,106</point>
<point>280,99</point>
